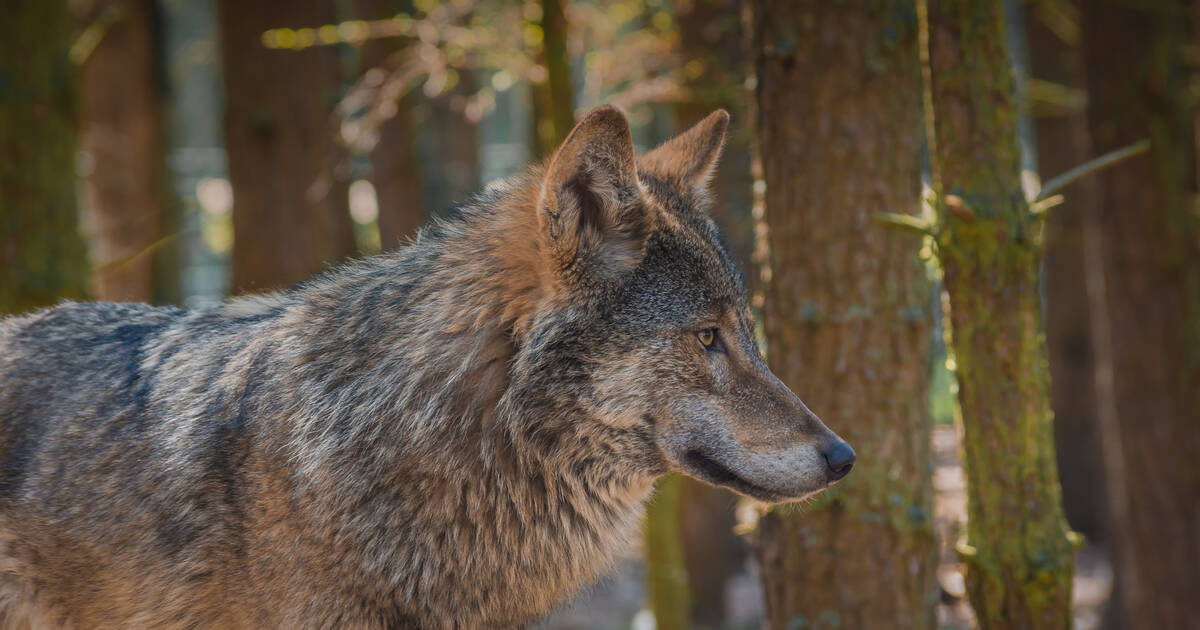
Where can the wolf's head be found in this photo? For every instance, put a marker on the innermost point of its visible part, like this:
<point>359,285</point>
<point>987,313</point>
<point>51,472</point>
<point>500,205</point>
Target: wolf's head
<point>657,320</point>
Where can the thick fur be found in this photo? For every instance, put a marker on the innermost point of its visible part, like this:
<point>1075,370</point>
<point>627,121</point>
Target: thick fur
<point>458,434</point>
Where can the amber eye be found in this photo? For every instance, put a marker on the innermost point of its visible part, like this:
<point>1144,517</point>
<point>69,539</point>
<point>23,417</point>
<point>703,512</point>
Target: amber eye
<point>707,337</point>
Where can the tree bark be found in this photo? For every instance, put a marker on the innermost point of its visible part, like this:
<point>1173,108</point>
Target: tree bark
<point>1143,256</point>
<point>1018,551</point>
<point>290,201</point>
<point>395,170</point>
<point>554,98</point>
<point>125,197</point>
<point>847,308</point>
<point>42,255</point>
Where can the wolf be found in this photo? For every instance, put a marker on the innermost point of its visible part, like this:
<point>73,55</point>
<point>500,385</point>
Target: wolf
<point>458,434</point>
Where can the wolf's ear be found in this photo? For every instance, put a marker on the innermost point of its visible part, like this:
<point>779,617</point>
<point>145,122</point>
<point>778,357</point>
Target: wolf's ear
<point>689,159</point>
<point>590,213</point>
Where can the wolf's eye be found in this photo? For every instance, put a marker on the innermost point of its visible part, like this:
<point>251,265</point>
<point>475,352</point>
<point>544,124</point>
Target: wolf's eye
<point>708,339</point>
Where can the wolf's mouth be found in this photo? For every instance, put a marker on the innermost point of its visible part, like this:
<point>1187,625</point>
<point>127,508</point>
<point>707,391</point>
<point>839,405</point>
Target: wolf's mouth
<point>716,473</point>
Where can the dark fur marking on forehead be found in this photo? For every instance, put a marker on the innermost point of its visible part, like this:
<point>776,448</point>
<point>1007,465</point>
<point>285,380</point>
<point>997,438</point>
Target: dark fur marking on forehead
<point>692,211</point>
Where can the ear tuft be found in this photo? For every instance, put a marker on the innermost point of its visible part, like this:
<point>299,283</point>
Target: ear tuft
<point>589,215</point>
<point>690,158</point>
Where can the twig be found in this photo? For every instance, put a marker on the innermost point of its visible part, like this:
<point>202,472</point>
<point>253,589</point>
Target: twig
<point>93,34</point>
<point>1087,168</point>
<point>1039,207</point>
<point>124,261</point>
<point>906,222</point>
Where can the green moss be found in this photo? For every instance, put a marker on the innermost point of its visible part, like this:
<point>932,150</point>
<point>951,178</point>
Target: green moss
<point>666,572</point>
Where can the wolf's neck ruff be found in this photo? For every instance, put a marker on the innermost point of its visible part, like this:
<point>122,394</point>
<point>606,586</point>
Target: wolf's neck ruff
<point>474,424</point>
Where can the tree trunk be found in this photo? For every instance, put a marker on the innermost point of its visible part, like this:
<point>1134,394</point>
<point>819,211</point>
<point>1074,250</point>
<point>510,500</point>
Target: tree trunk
<point>290,203</point>
<point>666,573</point>
<point>1018,551</point>
<point>42,256</point>
<point>1143,255</point>
<point>847,308</point>
<point>554,98</point>
<point>125,201</point>
<point>395,171</point>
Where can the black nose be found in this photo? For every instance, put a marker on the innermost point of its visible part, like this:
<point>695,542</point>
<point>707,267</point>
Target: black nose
<point>840,458</point>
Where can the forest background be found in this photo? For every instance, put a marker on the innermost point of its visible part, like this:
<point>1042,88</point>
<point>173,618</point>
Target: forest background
<point>969,228</point>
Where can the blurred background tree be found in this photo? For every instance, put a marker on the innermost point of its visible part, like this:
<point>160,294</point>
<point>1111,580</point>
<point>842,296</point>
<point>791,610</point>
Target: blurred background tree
<point>288,172</point>
<point>127,210</point>
<point>395,165</point>
<point>553,94</point>
<point>41,250</point>
<point>1142,259</point>
<point>1056,98</point>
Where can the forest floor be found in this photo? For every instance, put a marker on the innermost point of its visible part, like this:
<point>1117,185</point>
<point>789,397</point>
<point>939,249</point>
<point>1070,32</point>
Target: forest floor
<point>617,602</point>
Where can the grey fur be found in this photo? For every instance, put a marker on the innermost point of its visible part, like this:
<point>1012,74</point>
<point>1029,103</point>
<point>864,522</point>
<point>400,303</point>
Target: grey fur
<point>457,434</point>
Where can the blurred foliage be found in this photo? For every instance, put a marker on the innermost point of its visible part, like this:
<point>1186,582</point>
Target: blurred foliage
<point>627,53</point>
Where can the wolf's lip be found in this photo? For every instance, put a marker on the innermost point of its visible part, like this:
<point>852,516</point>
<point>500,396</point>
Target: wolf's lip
<point>716,473</point>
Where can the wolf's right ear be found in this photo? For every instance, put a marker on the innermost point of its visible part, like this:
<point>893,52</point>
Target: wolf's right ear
<point>590,215</point>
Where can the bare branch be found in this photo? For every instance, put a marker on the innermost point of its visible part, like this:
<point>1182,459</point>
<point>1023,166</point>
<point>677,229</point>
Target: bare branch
<point>1087,168</point>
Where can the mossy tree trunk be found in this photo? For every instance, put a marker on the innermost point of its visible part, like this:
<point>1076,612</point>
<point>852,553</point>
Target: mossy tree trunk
<point>847,308</point>
<point>666,572</point>
<point>395,169</point>
<point>1018,551</point>
<point>125,192</point>
<point>553,98</point>
<point>1143,257</point>
<point>290,203</point>
<point>42,255</point>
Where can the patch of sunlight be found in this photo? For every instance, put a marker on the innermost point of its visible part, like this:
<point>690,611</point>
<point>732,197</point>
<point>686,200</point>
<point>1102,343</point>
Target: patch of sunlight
<point>643,620</point>
<point>215,196</point>
<point>364,205</point>
<point>364,210</point>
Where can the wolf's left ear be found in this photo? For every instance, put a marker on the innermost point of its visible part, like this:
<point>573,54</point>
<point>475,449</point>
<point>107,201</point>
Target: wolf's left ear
<point>590,215</point>
<point>689,159</point>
